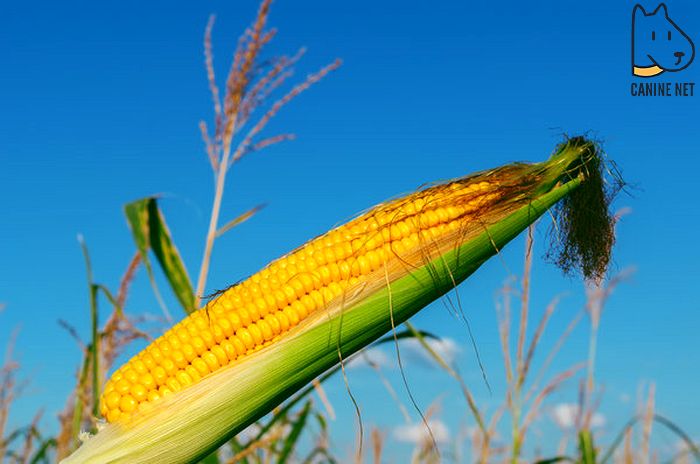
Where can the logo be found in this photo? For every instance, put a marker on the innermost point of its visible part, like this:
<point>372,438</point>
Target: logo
<point>658,43</point>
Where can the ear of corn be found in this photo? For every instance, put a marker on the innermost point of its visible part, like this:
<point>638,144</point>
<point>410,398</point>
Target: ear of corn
<point>231,362</point>
<point>261,309</point>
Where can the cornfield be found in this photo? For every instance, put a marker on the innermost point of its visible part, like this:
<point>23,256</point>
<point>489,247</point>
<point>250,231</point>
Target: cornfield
<point>238,375</point>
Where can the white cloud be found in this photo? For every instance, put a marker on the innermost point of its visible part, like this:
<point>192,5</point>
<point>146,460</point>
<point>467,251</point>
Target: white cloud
<point>413,350</point>
<point>419,434</point>
<point>565,416</point>
<point>598,420</point>
<point>471,432</point>
<point>681,447</point>
<point>369,357</point>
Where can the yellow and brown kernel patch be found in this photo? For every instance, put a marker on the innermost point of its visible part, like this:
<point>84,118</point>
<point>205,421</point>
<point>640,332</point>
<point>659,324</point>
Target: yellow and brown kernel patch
<point>252,314</point>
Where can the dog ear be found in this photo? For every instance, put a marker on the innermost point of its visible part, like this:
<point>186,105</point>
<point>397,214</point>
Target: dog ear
<point>662,8</point>
<point>640,8</point>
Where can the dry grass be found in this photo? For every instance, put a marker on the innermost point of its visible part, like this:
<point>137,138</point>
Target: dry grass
<point>8,391</point>
<point>116,334</point>
<point>527,387</point>
<point>249,84</point>
<point>18,445</point>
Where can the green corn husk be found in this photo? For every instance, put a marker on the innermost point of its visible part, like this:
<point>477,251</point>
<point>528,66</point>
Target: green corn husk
<point>190,424</point>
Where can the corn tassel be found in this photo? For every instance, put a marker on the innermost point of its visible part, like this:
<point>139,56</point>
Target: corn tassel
<point>230,363</point>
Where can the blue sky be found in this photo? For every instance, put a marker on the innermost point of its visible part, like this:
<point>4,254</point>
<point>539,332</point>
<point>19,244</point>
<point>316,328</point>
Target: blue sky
<point>100,106</point>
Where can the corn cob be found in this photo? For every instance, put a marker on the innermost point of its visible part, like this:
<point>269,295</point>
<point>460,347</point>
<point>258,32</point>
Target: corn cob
<point>256,312</point>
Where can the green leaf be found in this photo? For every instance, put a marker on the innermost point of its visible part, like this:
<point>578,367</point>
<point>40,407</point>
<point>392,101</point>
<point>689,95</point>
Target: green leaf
<point>213,458</point>
<point>410,333</point>
<point>321,422</point>
<point>77,420</point>
<point>586,447</point>
<point>150,232</point>
<point>677,430</point>
<point>42,454</point>
<point>94,346</point>
<point>322,452</point>
<point>294,435</point>
<point>236,447</point>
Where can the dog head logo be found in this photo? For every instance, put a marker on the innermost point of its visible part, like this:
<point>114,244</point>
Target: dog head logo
<point>658,44</point>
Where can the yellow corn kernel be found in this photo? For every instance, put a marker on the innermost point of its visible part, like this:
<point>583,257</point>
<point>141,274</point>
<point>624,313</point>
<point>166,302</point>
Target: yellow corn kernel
<point>229,349</point>
<point>220,355</point>
<point>238,345</point>
<point>111,400</point>
<point>265,329</point>
<point>127,403</point>
<point>112,415</point>
<point>139,392</point>
<point>193,373</point>
<point>147,381</point>
<point>183,379</point>
<point>246,338</point>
